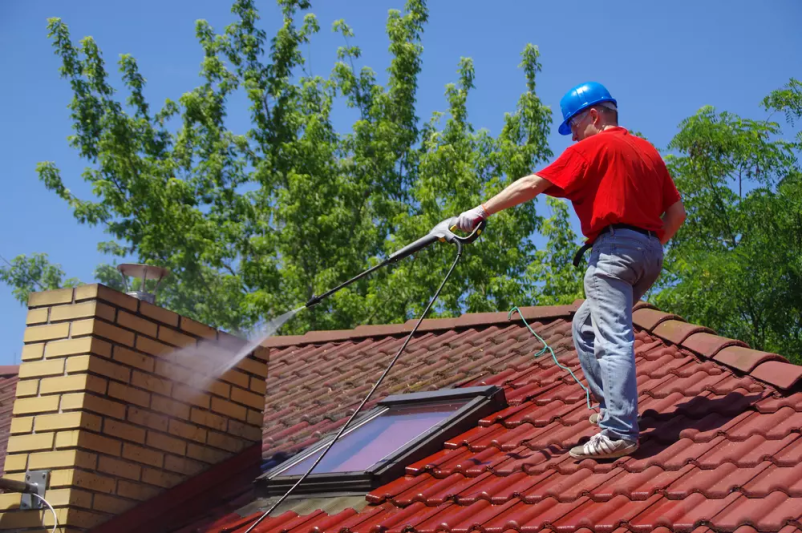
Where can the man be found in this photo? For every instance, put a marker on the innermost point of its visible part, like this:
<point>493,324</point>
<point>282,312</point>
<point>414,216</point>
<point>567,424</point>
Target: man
<point>628,207</point>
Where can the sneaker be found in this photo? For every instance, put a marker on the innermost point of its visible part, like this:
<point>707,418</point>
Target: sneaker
<point>602,447</point>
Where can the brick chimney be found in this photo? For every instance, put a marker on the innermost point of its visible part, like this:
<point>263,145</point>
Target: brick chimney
<point>102,408</point>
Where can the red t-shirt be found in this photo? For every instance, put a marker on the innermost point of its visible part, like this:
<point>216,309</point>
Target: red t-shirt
<point>613,177</point>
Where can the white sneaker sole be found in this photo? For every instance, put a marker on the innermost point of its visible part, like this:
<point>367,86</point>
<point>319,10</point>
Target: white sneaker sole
<point>578,452</point>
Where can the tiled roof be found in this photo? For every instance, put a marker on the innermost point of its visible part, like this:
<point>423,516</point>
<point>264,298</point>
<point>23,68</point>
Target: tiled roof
<point>8,389</point>
<point>720,445</point>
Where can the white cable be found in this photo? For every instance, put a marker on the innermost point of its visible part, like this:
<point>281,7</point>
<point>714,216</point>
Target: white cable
<point>55,516</point>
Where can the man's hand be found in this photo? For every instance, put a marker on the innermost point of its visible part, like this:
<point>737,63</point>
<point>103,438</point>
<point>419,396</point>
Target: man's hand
<point>471,218</point>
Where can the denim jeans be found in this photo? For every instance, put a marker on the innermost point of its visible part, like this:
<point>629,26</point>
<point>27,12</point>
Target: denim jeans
<point>623,265</point>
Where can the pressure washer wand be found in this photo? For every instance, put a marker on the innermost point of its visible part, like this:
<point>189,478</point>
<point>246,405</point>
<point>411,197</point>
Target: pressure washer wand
<point>441,232</point>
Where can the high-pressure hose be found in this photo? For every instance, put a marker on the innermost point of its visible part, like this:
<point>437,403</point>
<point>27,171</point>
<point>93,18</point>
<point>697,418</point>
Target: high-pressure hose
<point>458,242</point>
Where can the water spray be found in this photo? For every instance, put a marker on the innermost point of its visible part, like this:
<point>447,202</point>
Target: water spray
<point>442,232</point>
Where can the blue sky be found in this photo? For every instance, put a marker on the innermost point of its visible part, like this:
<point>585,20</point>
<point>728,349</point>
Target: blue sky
<point>661,60</point>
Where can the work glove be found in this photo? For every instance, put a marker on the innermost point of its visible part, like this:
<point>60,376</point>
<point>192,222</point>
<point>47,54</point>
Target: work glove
<point>471,218</point>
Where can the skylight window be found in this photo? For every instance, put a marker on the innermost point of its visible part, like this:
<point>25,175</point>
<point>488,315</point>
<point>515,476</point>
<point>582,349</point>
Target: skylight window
<point>402,429</point>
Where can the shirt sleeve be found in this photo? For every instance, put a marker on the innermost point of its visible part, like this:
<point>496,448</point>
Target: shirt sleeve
<point>565,173</point>
<point>670,193</point>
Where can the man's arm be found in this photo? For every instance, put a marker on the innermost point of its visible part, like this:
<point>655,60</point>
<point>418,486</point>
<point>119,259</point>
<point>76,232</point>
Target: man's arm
<point>672,220</point>
<point>520,191</point>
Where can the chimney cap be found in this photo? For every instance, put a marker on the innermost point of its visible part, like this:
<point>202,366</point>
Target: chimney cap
<point>144,272</point>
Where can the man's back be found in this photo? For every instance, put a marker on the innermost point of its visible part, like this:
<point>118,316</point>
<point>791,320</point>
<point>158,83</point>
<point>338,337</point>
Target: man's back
<point>613,178</point>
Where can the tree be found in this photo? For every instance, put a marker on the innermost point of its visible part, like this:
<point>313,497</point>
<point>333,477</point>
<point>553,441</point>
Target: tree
<point>254,223</point>
<point>36,273</point>
<point>736,265</point>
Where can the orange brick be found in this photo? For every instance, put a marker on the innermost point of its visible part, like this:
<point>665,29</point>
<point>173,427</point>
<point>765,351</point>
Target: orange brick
<point>256,401</point>
<point>25,519</point>
<point>142,455</point>
<point>30,443</point>
<point>205,454</point>
<point>16,463</point>
<point>157,313</point>
<point>21,424</point>
<point>258,385</point>
<point>110,504</point>
<point>187,431</point>
<point>59,296</point>
<point>81,478</point>
<point>77,382</point>
<point>29,387</point>
<point>32,352</point>
<point>79,328</point>
<point>174,372</point>
<point>62,459</point>
<point>136,323</point>
<point>224,407</point>
<point>96,365</point>
<point>134,359</point>
<point>151,383</point>
<point>161,478</point>
<point>198,329</point>
<point>166,443</point>
<point>69,497</point>
<point>46,333</point>
<point>119,468</point>
<point>205,418</point>
<point>80,346</point>
<point>182,465</point>
<point>246,431</point>
<point>136,491</point>
<point>79,519</point>
<point>71,420</point>
<point>175,338</point>
<point>10,501</point>
<point>170,407</point>
<point>255,418</point>
<point>129,394</point>
<point>90,441</point>
<point>237,378</point>
<point>221,389</point>
<point>152,347</point>
<point>191,396</point>
<point>93,403</point>
<point>110,332</point>
<point>41,368</point>
<point>82,310</point>
<point>262,353</point>
<point>231,444</point>
<point>149,419</point>
<point>254,367</point>
<point>24,406</point>
<point>123,431</point>
<point>37,316</point>
<point>88,292</point>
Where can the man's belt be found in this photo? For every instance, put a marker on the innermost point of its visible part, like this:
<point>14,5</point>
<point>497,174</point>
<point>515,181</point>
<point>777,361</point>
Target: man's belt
<point>587,246</point>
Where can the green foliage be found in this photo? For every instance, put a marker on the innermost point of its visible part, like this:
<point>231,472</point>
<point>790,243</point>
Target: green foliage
<point>254,223</point>
<point>736,265</point>
<point>33,274</point>
<point>555,280</point>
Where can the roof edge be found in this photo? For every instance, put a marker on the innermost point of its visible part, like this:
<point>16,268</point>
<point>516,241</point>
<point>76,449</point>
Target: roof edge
<point>467,320</point>
<point>9,370</point>
<point>770,368</point>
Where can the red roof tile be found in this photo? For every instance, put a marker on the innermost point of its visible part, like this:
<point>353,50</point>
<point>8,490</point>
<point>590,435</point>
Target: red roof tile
<point>8,390</point>
<point>720,445</point>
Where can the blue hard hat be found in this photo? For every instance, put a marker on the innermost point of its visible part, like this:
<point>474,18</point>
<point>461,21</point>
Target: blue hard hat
<point>579,98</point>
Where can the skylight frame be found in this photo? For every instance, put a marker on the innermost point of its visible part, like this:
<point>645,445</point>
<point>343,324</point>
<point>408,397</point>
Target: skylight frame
<point>481,402</point>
